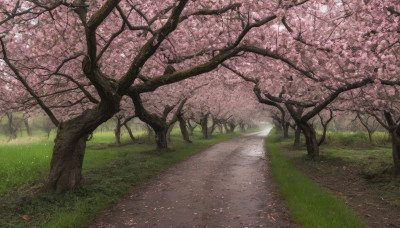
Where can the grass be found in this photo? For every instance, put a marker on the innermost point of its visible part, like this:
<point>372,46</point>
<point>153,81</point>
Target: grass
<point>355,149</point>
<point>110,172</point>
<point>309,204</point>
<point>22,163</point>
<point>358,139</point>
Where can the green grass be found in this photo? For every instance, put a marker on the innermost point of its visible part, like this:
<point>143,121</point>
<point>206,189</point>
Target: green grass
<point>23,163</point>
<point>358,139</point>
<point>355,149</point>
<point>110,172</point>
<point>309,204</point>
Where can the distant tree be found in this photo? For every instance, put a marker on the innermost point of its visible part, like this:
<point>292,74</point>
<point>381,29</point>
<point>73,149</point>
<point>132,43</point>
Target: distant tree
<point>46,125</point>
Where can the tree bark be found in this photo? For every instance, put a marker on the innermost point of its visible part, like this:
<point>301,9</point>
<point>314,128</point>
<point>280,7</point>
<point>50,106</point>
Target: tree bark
<point>149,132</point>
<point>70,144</point>
<point>370,130</point>
<point>286,130</point>
<point>232,127</point>
<point>191,128</point>
<point>66,163</point>
<point>311,140</point>
<point>11,128</point>
<point>161,138</point>
<point>322,139</point>
<point>394,130</point>
<point>117,132</point>
<point>370,137</point>
<point>212,128</point>
<point>203,123</point>
<point>159,124</point>
<point>324,126</point>
<point>182,126</point>
<point>27,127</point>
<point>130,132</point>
<point>396,150</point>
<point>170,128</point>
<point>297,134</point>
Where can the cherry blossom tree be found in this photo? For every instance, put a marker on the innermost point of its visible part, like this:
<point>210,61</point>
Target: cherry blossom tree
<point>83,56</point>
<point>76,60</point>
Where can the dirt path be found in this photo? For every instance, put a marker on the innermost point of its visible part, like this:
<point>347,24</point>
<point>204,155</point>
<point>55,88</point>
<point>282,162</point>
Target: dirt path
<point>227,185</point>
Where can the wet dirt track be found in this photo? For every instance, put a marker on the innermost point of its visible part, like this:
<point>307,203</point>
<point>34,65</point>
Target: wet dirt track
<point>226,185</point>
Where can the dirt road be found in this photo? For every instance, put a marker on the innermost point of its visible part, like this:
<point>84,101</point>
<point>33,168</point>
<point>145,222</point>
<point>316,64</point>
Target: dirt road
<point>226,185</point>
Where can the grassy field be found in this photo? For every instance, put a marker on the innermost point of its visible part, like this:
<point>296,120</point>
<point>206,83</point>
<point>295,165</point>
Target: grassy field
<point>109,171</point>
<point>354,148</point>
<point>309,204</point>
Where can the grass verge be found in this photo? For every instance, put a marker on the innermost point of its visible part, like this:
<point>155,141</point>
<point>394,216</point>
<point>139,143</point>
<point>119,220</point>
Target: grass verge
<point>110,172</point>
<point>309,204</point>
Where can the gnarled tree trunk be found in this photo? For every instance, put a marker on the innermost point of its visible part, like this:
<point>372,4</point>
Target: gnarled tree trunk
<point>130,132</point>
<point>161,138</point>
<point>311,140</point>
<point>66,163</point>
<point>182,126</point>
<point>70,144</point>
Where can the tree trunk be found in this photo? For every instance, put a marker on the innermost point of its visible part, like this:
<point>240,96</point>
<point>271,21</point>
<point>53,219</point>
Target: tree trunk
<point>130,132</point>
<point>242,127</point>
<point>117,132</point>
<point>285,130</point>
<point>278,126</point>
<point>170,128</point>
<point>66,162</point>
<point>311,140</point>
<point>70,144</point>
<point>161,138</point>
<point>394,130</point>
<point>182,126</point>
<point>211,129</point>
<point>11,128</point>
<point>396,149</point>
<point>232,127</point>
<point>191,128</point>
<point>27,127</point>
<point>297,133</point>
<point>370,137</point>
<point>203,123</point>
<point>149,132</point>
<point>226,128</point>
<point>322,139</point>
<point>220,128</point>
